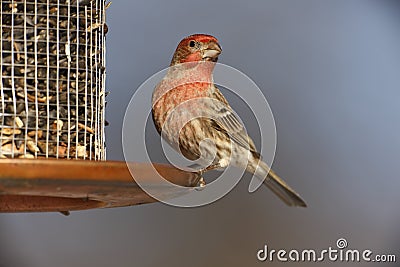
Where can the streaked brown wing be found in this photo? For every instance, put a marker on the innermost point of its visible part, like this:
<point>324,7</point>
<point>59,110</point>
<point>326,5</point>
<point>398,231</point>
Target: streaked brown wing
<point>226,120</point>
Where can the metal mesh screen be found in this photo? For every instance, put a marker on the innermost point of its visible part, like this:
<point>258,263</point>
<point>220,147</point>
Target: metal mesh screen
<point>52,80</point>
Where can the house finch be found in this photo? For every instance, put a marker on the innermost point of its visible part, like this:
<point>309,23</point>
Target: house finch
<point>191,113</point>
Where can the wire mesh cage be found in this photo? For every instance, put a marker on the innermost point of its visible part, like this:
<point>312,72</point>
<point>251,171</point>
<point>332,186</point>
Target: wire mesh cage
<point>52,79</point>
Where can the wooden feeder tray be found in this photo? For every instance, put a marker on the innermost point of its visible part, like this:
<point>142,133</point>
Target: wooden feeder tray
<point>43,185</point>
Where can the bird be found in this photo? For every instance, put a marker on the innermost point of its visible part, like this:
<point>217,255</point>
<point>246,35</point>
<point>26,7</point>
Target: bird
<point>193,116</point>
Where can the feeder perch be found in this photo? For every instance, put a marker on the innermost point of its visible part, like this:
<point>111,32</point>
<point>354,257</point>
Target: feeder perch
<point>67,185</point>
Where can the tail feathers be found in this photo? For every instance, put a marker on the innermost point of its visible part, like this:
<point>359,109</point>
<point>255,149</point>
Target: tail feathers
<point>283,190</point>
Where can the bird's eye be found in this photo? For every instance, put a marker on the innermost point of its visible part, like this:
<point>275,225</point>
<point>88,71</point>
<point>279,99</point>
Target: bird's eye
<point>192,43</point>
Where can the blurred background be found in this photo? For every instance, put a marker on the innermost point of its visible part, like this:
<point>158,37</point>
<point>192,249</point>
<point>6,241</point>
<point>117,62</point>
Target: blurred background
<point>330,71</point>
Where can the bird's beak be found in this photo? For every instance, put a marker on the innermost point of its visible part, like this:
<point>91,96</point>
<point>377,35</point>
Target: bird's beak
<point>211,52</point>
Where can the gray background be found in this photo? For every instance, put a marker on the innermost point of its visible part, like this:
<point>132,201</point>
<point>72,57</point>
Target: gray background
<point>330,71</point>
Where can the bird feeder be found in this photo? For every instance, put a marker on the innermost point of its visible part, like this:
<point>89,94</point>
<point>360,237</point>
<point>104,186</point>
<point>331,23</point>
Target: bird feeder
<point>52,79</point>
<point>52,101</point>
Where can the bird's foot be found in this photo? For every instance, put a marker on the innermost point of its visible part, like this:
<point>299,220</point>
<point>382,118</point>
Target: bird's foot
<point>211,167</point>
<point>201,184</point>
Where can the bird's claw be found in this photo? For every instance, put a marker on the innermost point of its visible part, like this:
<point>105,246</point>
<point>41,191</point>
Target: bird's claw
<point>200,184</point>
